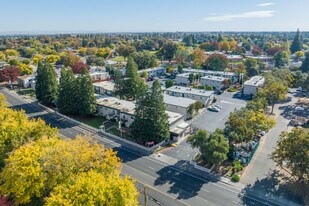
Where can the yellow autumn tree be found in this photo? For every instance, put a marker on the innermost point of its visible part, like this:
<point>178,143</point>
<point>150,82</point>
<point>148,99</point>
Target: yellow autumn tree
<point>52,58</point>
<point>93,188</point>
<point>11,52</point>
<point>82,51</point>
<point>103,52</point>
<point>54,165</point>
<point>16,130</point>
<point>2,101</point>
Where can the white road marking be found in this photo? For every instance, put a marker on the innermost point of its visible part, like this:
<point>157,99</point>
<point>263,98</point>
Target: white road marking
<point>188,155</point>
<point>151,168</point>
<point>176,178</point>
<point>177,151</point>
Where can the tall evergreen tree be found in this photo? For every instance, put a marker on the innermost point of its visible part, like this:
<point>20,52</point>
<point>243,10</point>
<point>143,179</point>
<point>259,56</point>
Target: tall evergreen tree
<point>46,84</point>
<point>119,84</point>
<point>151,120</point>
<point>87,101</point>
<point>68,92</point>
<point>297,43</point>
<point>305,65</point>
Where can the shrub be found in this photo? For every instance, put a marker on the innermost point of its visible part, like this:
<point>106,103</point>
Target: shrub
<point>214,100</point>
<point>232,89</point>
<point>235,178</point>
<point>237,166</point>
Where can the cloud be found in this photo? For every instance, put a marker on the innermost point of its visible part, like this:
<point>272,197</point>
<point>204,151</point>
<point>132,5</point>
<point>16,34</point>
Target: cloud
<point>266,4</point>
<point>244,15</point>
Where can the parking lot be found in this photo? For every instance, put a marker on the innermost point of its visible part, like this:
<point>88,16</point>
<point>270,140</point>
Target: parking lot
<point>209,121</point>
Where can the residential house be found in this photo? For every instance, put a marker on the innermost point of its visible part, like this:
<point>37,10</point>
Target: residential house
<point>154,72</point>
<point>252,85</point>
<point>179,105</point>
<point>25,80</point>
<point>121,110</point>
<point>182,79</point>
<point>104,88</point>
<point>230,75</point>
<point>205,97</point>
<point>218,83</point>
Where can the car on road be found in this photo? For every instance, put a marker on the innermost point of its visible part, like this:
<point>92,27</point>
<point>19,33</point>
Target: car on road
<point>218,106</point>
<point>214,109</point>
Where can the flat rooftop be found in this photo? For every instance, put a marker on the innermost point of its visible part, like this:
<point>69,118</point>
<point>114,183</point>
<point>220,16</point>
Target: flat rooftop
<point>208,72</point>
<point>187,90</point>
<point>129,107</point>
<point>151,69</point>
<point>118,104</point>
<point>255,81</point>
<point>107,85</point>
<point>214,78</point>
<point>178,101</point>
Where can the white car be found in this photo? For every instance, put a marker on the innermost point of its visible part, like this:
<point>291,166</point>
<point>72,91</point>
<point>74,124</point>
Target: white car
<point>299,108</point>
<point>218,106</point>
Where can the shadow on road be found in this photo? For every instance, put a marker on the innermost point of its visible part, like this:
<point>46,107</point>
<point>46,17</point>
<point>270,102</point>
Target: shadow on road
<point>268,187</point>
<point>178,180</point>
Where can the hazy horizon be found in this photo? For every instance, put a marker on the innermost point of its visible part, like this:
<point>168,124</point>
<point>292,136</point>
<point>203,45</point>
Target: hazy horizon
<point>121,16</point>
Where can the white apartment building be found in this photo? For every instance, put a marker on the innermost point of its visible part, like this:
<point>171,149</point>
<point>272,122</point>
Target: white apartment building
<point>214,81</point>
<point>205,97</point>
<point>182,79</point>
<point>179,105</point>
<point>230,75</point>
<point>122,110</point>
<point>251,86</point>
<point>105,87</point>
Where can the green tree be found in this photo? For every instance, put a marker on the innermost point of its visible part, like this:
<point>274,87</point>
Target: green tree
<point>144,59</point>
<point>305,65</point>
<point>191,78</point>
<point>216,62</point>
<point>213,147</point>
<point>46,87</point>
<point>291,155</point>
<point>169,83</point>
<point>242,125</point>
<point>296,44</point>
<point>125,50</point>
<point>120,87</point>
<point>68,93</point>
<point>181,56</point>
<point>168,51</point>
<point>134,83</point>
<point>252,71</point>
<point>274,93</point>
<point>180,69</point>
<point>250,63</point>
<point>86,98</point>
<point>151,116</point>
<point>281,59</point>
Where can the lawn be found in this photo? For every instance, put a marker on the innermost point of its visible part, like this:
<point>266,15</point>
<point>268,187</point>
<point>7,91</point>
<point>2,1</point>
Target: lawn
<point>115,131</point>
<point>118,59</point>
<point>28,91</point>
<point>93,121</point>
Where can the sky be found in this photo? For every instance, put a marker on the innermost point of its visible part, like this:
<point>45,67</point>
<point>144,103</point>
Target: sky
<point>61,16</point>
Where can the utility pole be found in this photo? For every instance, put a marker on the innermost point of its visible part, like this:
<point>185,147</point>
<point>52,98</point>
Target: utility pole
<point>145,196</point>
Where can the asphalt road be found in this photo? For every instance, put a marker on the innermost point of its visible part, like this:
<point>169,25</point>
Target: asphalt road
<point>166,184</point>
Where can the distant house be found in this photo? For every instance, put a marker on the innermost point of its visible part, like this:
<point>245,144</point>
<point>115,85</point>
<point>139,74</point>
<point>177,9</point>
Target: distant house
<point>214,81</point>
<point>205,97</point>
<point>25,81</point>
<point>234,58</point>
<point>110,63</point>
<point>182,79</point>
<point>154,72</point>
<point>104,88</point>
<point>179,105</point>
<point>252,85</point>
<point>99,75</point>
<point>230,75</point>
